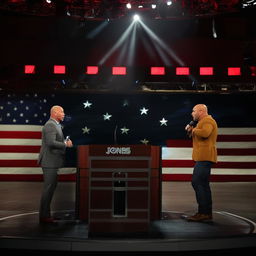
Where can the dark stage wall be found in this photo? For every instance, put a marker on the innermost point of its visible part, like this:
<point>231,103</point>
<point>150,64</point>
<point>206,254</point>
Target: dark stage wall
<point>53,40</point>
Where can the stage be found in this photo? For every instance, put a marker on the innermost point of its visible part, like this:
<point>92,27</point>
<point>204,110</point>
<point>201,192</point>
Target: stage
<point>228,232</point>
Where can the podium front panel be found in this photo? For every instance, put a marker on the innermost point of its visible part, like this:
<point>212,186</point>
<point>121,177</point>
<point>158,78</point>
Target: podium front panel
<point>119,188</point>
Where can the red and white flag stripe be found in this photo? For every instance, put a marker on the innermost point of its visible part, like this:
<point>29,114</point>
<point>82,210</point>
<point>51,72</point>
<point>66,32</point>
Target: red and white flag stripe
<point>236,149</point>
<point>19,149</point>
<point>20,145</point>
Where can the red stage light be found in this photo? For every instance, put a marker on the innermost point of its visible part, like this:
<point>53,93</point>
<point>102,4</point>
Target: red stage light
<point>206,71</point>
<point>118,70</point>
<point>234,71</point>
<point>30,69</point>
<point>253,70</point>
<point>59,69</point>
<point>92,70</point>
<point>157,71</point>
<point>182,71</point>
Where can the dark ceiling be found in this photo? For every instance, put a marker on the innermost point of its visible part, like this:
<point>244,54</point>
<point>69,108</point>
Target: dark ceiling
<point>114,9</point>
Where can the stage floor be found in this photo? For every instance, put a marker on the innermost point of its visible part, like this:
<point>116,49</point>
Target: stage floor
<point>231,228</point>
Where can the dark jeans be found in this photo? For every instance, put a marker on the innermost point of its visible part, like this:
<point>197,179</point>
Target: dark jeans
<point>200,183</point>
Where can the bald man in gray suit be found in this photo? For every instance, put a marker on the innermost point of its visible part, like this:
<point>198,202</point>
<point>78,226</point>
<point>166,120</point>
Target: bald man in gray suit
<point>51,158</point>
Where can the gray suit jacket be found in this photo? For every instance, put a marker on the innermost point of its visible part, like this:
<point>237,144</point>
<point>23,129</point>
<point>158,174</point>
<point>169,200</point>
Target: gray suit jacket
<point>52,152</point>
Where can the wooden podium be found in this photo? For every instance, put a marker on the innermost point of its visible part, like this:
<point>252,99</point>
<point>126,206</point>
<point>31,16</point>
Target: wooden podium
<point>118,187</point>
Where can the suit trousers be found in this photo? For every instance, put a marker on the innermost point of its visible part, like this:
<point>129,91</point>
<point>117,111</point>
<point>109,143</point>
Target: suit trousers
<point>50,183</point>
<point>201,185</point>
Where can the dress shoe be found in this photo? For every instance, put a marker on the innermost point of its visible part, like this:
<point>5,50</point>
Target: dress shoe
<point>47,220</point>
<point>200,217</point>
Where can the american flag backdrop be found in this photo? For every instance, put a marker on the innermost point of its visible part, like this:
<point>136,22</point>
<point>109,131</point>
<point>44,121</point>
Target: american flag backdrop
<point>152,119</point>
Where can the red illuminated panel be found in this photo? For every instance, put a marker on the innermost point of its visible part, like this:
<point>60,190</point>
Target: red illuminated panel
<point>118,70</point>
<point>253,70</point>
<point>59,69</point>
<point>92,70</point>
<point>234,71</point>
<point>157,71</point>
<point>206,71</point>
<point>182,71</point>
<point>30,69</point>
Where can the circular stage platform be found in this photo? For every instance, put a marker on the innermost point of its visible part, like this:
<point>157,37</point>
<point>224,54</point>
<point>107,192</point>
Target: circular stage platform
<point>171,233</point>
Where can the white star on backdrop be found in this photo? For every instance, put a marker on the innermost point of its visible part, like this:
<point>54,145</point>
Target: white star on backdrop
<point>144,141</point>
<point>107,116</point>
<point>124,130</point>
<point>163,121</point>
<point>143,111</point>
<point>86,130</point>
<point>87,104</point>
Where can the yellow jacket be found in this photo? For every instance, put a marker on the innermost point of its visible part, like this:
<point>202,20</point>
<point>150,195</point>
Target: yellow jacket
<point>204,137</point>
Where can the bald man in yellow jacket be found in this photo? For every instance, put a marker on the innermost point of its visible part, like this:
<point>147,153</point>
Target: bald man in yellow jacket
<point>204,136</point>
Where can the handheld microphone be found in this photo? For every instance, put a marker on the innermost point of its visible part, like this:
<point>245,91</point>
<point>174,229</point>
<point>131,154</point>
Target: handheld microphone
<point>67,138</point>
<point>191,124</point>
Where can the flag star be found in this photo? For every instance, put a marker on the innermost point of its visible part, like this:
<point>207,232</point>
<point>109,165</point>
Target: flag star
<point>8,114</point>
<point>143,111</point>
<point>27,121</point>
<point>144,141</point>
<point>21,114</point>
<point>35,115</point>
<point>86,130</point>
<point>1,107</point>
<point>124,130</point>
<point>14,120</point>
<point>107,116</point>
<point>163,121</point>
<point>87,104</point>
<point>27,108</point>
<point>15,109</point>
<point>21,102</point>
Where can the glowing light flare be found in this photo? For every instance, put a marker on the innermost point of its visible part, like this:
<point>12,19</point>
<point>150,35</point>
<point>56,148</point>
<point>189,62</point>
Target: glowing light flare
<point>206,71</point>
<point>29,69</point>
<point>157,71</point>
<point>182,71</point>
<point>234,71</point>
<point>119,71</point>
<point>136,17</point>
<point>59,69</point>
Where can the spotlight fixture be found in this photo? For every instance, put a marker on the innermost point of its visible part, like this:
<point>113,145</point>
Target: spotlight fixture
<point>128,6</point>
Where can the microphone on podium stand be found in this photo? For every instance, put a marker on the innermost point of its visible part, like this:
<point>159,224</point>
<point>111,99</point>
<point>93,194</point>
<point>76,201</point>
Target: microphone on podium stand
<point>115,135</point>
